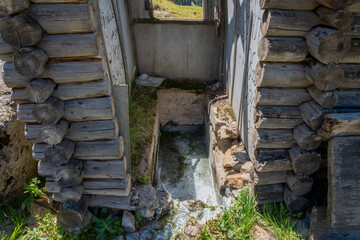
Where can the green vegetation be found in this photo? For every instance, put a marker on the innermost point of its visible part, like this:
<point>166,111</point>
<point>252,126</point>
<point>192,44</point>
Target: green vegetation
<point>107,226</point>
<point>169,9</point>
<point>183,85</point>
<point>33,192</point>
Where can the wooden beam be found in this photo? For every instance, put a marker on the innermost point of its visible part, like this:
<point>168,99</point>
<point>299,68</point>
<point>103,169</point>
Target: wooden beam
<point>272,160</point>
<point>289,4</point>
<point>114,202</point>
<point>313,114</point>
<point>306,138</point>
<point>293,202</point>
<point>105,169</point>
<point>336,4</point>
<point>100,150</point>
<point>304,163</point>
<point>336,99</point>
<point>274,117</point>
<point>266,138</point>
<point>269,193</point>
<point>281,96</point>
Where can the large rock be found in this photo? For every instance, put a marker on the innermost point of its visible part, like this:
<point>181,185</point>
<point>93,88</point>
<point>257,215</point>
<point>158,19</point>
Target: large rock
<point>128,222</point>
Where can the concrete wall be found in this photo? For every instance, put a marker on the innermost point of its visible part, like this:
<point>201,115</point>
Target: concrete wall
<point>178,49</point>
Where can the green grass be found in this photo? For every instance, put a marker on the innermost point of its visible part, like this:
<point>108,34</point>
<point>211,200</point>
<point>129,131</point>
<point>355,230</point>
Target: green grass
<point>169,9</point>
<point>183,85</point>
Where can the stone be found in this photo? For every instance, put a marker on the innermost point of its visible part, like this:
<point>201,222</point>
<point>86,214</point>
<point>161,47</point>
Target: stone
<point>258,233</point>
<point>246,178</point>
<point>36,211</point>
<point>128,222</point>
<point>192,228</point>
<point>234,181</point>
<point>121,237</point>
<point>146,212</point>
<point>147,196</point>
<point>242,157</point>
<point>225,132</point>
<point>132,236</point>
<point>229,159</point>
<point>246,168</point>
<point>148,81</point>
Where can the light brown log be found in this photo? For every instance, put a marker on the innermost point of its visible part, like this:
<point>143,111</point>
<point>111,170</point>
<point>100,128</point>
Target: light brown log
<point>54,134</point>
<point>83,90</point>
<point>20,30</point>
<point>93,131</point>
<point>289,4</point>
<point>63,72</point>
<point>38,151</point>
<point>114,202</point>
<point>268,178</point>
<point>73,214</point>
<point>306,138</point>
<point>352,76</point>
<point>30,62</point>
<point>287,23</point>
<point>299,185</point>
<point>60,153</point>
<point>326,99</point>
<point>304,163</point>
<point>273,117</point>
<point>105,169</point>
<point>338,124</point>
<point>336,4</point>
<point>355,7</point>
<point>282,49</point>
<point>13,6</point>
<point>266,138</point>
<point>328,45</point>
<point>39,90</point>
<point>268,193</point>
<point>62,18</point>
<point>69,174</point>
<point>49,112</point>
<point>293,202</point>
<point>340,19</point>
<point>69,45</point>
<point>272,160</point>
<point>281,96</point>
<point>313,114</point>
<point>353,56</point>
<point>281,75</point>
<point>46,169</point>
<point>71,193</point>
<point>100,150</point>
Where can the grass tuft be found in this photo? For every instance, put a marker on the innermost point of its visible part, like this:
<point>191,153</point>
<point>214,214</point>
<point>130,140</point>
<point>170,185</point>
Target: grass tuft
<point>168,9</point>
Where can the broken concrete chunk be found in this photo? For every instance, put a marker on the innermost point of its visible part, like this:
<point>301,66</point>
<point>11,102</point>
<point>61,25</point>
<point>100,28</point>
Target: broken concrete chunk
<point>148,81</point>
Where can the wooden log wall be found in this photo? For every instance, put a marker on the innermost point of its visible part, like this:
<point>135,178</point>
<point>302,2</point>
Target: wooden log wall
<point>307,92</point>
<point>57,65</point>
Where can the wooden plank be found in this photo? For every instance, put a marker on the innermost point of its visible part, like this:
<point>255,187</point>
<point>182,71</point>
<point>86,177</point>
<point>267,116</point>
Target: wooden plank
<point>272,160</point>
<point>90,184</point>
<point>336,99</point>
<point>92,131</point>
<point>269,138</point>
<point>38,151</point>
<point>62,18</point>
<point>24,113</point>
<point>269,193</point>
<point>110,191</point>
<point>274,117</point>
<point>105,169</point>
<point>46,169</point>
<point>12,78</point>
<point>114,202</point>
<point>268,178</point>
<point>100,150</point>
<point>281,96</point>
<point>289,4</point>
<point>313,114</point>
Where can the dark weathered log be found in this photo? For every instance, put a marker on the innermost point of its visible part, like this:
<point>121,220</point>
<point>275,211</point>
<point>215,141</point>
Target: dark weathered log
<point>13,6</point>
<point>289,4</point>
<point>266,138</point>
<point>114,202</point>
<point>268,193</point>
<point>353,56</point>
<point>328,45</point>
<point>92,131</point>
<point>69,174</point>
<point>352,76</point>
<point>83,90</point>
<point>39,90</point>
<point>49,112</point>
<point>60,153</point>
<point>313,114</point>
<point>268,178</point>
<point>340,19</point>
<point>105,169</point>
<point>304,163</point>
<point>281,75</point>
<point>38,151</point>
<point>72,214</point>
<point>100,150</point>
<point>58,1</point>
<point>24,113</point>
<point>336,124</point>
<point>281,49</point>
<point>336,4</point>
<point>324,77</point>
<point>20,30</point>
<point>30,62</point>
<point>52,187</point>
<point>108,187</point>
<point>54,134</point>
<point>272,117</point>
<point>326,99</point>
<point>299,185</point>
<point>272,160</point>
<point>287,23</point>
<point>6,51</point>
<point>344,188</point>
<point>71,193</point>
<point>46,169</point>
<point>62,18</point>
<point>69,45</point>
<point>19,96</point>
<point>32,133</point>
<point>12,78</point>
<point>306,138</point>
<point>293,202</point>
<point>281,96</point>
<point>339,99</point>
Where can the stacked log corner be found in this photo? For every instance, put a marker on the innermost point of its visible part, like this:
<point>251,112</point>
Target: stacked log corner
<point>61,83</point>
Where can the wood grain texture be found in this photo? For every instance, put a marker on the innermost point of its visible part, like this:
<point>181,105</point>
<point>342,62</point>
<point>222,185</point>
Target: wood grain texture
<point>30,62</point>
<point>304,163</point>
<point>352,76</point>
<point>289,4</point>
<point>39,90</point>
<point>48,112</point>
<point>60,153</point>
<point>54,134</point>
<point>105,169</point>
<point>269,193</point>
<point>13,6</point>
<point>266,138</point>
<point>306,138</point>
<point>281,96</point>
<point>268,178</point>
<point>272,160</point>
<point>313,114</point>
<point>100,150</point>
<point>299,185</point>
<point>69,174</point>
<point>114,202</point>
<point>274,117</point>
<point>293,202</point>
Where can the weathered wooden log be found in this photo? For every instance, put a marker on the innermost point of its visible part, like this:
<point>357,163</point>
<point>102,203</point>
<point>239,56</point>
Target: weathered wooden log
<point>114,202</point>
<point>328,45</point>
<point>46,169</point>
<point>49,112</point>
<point>287,23</point>
<point>106,190</point>
<point>71,193</point>
<point>51,186</point>
<point>69,45</point>
<point>19,96</point>
<point>281,96</point>
<point>46,134</point>
<point>344,190</point>
<point>268,178</point>
<point>30,62</point>
<point>90,109</point>
<point>91,184</point>
<point>20,30</point>
<point>269,138</point>
<point>289,4</point>
<point>353,56</point>
<point>63,72</point>
<point>58,1</point>
<point>39,90</point>
<point>313,114</point>
<point>268,193</point>
<point>6,51</point>
<point>100,150</point>
<point>304,163</point>
<point>281,49</point>
<point>281,75</point>
<point>94,130</point>
<point>38,151</point>
<point>32,133</point>
<point>83,90</point>
<point>69,174</point>
<point>338,124</point>
<point>293,202</point>
<point>299,185</point>
<point>338,99</point>
<point>336,4</point>
<point>340,19</point>
<point>272,160</point>
<point>60,153</point>
<point>62,18</point>
<point>24,113</point>
<point>73,214</point>
<point>105,169</point>
<point>306,138</point>
<point>326,99</point>
<point>13,6</point>
<point>273,117</point>
<point>355,7</point>
<point>352,76</point>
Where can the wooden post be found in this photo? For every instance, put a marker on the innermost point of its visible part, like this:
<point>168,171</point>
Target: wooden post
<point>304,163</point>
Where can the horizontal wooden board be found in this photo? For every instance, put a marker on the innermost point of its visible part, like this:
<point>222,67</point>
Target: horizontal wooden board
<point>93,130</point>
<point>83,90</point>
<point>269,193</point>
<point>105,169</point>
<point>272,160</point>
<point>281,96</point>
<point>277,117</point>
<point>100,150</point>
<point>114,202</point>
<point>58,1</point>
<point>289,4</point>
<point>269,138</point>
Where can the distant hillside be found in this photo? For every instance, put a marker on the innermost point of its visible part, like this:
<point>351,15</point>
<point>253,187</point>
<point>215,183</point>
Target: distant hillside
<point>169,9</point>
